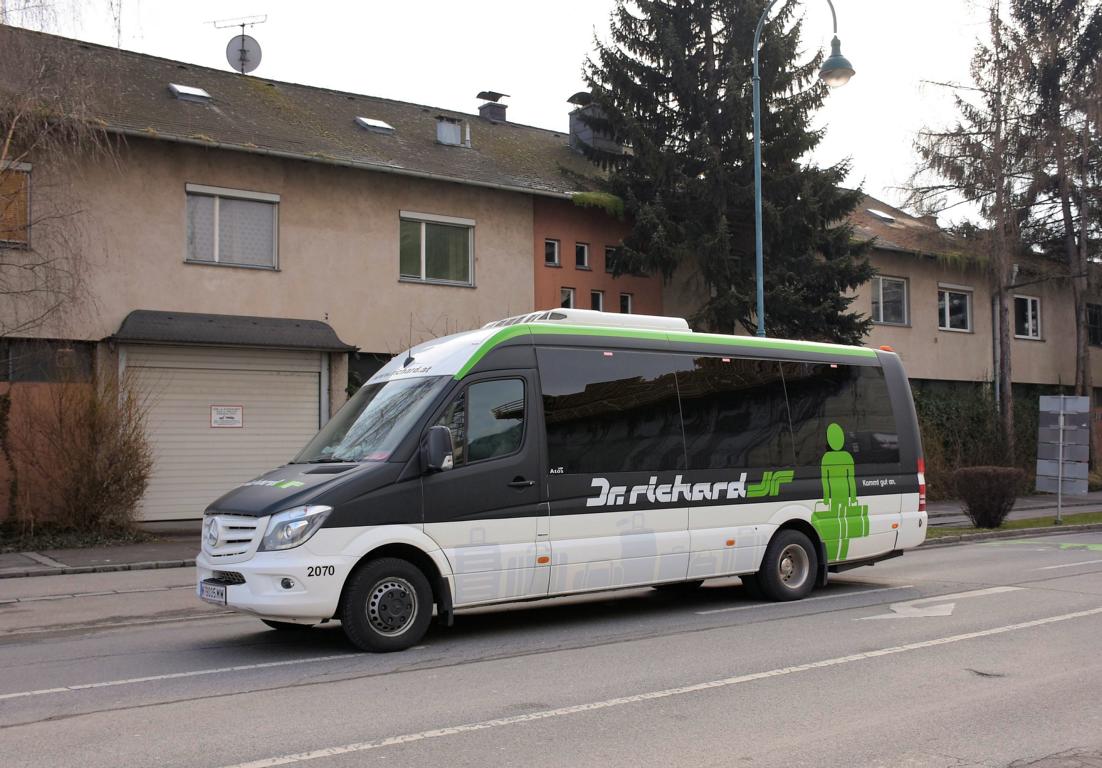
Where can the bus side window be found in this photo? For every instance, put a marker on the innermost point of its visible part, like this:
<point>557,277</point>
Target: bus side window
<point>486,420</point>
<point>854,397</point>
<point>455,419</point>
<point>496,426</point>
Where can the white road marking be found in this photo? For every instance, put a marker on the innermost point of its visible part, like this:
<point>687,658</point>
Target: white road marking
<point>914,608</point>
<point>1067,565</point>
<point>546,714</point>
<point>801,602</point>
<point>178,675</point>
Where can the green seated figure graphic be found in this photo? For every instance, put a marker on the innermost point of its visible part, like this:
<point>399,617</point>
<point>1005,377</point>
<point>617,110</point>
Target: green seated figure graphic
<point>840,517</point>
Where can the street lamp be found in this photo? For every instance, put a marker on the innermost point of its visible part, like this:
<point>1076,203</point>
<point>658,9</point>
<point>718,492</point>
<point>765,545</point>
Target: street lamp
<point>836,71</point>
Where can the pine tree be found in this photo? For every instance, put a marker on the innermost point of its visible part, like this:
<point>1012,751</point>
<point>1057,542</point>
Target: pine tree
<point>673,86</point>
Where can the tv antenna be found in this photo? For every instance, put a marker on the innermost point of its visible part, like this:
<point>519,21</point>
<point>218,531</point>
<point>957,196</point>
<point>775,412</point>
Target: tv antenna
<point>243,51</point>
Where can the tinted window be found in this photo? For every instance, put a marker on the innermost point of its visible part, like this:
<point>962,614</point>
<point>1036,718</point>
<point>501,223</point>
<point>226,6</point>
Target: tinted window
<point>495,426</point>
<point>735,414</point>
<point>855,398</point>
<point>611,411</point>
<point>493,423</point>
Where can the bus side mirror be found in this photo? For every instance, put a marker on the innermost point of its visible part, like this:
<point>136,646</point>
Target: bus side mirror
<point>436,449</point>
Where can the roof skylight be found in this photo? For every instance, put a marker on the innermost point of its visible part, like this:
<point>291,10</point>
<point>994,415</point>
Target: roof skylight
<point>376,126</point>
<point>188,92</point>
<point>881,215</point>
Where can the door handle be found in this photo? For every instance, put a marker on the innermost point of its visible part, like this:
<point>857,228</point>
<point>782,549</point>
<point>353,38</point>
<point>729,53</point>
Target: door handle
<point>520,482</point>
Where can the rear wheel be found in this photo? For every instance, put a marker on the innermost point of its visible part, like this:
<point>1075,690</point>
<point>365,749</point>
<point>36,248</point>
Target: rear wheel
<point>387,606</point>
<point>285,626</point>
<point>788,568</point>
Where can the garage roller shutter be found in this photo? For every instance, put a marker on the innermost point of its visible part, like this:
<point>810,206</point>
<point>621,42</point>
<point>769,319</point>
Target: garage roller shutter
<point>278,391</point>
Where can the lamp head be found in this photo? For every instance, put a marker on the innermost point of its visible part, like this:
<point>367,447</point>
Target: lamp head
<point>836,70</point>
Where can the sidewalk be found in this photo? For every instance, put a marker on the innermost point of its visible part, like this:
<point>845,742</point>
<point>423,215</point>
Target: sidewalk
<point>949,512</point>
<point>176,547</point>
<point>169,550</point>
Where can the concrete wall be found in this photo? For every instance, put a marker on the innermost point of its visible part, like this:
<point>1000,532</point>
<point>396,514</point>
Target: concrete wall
<point>338,247</point>
<point>569,224</point>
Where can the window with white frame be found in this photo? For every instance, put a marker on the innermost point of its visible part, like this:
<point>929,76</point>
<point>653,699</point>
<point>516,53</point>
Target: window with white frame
<point>581,255</point>
<point>954,308</point>
<point>625,303</point>
<point>551,253</point>
<point>436,249</point>
<point>1027,317</point>
<point>232,227</point>
<point>889,300</point>
<point>566,298</point>
<point>597,300</point>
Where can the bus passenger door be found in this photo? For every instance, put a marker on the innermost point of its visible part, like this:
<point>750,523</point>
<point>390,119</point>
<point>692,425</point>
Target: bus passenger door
<point>485,512</point>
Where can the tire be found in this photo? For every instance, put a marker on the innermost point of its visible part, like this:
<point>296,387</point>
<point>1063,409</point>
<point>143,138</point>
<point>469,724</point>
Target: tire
<point>679,586</point>
<point>789,567</point>
<point>387,606</point>
<point>285,626</point>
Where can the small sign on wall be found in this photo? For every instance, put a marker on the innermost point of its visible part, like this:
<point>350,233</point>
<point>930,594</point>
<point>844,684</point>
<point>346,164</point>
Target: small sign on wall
<point>227,416</point>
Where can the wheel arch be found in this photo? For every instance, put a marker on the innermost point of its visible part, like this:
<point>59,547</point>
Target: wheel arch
<point>807,529</point>
<point>438,579</point>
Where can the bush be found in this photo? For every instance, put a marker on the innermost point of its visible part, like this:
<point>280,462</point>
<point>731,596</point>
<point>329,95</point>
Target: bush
<point>987,494</point>
<point>83,456</point>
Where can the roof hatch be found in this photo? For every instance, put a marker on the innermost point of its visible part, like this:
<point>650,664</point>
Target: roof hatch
<point>189,93</point>
<point>373,125</point>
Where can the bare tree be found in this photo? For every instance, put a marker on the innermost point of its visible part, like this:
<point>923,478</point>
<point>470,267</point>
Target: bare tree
<point>45,131</point>
<point>1058,54</point>
<point>979,160</point>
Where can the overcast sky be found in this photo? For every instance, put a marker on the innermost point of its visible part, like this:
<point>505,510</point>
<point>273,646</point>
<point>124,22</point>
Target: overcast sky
<point>443,53</point>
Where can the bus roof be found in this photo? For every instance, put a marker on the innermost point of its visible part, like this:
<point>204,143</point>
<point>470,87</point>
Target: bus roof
<point>458,354</point>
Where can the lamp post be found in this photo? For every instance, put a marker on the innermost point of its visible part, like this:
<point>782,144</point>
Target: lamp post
<point>836,71</point>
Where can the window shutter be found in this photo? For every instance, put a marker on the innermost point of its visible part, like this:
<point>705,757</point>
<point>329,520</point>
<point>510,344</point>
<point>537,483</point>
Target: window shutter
<point>14,206</point>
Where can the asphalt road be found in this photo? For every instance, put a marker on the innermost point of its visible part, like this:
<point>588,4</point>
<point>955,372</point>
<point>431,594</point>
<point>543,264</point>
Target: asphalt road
<point>128,669</point>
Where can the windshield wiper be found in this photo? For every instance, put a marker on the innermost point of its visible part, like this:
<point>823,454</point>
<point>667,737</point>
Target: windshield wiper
<point>329,460</point>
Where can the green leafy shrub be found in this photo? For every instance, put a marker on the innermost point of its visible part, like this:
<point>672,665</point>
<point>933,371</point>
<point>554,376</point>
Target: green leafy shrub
<point>987,494</point>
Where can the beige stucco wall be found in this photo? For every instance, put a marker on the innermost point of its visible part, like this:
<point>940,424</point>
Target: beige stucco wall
<point>931,353</point>
<point>338,247</point>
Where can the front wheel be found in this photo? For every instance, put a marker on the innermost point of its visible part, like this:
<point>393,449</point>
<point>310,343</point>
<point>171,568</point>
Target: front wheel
<point>387,606</point>
<point>788,568</point>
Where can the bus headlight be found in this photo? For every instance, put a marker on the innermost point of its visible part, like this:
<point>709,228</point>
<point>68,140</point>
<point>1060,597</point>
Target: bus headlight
<point>292,527</point>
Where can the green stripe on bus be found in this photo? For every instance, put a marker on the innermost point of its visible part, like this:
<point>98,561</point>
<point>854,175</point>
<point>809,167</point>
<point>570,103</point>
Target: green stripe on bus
<point>746,342</point>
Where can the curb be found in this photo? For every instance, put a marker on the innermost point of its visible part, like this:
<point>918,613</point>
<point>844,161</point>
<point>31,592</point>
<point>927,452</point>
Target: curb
<point>77,569</point>
<point>968,538</point>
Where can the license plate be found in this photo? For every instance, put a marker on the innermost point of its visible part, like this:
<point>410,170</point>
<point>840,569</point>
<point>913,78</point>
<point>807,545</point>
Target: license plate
<point>212,592</point>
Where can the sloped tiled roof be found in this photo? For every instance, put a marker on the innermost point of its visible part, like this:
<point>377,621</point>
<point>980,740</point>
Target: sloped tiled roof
<point>905,233</point>
<point>129,92</point>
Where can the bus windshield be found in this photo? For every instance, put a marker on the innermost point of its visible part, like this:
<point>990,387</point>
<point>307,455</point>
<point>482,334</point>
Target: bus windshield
<point>371,424</point>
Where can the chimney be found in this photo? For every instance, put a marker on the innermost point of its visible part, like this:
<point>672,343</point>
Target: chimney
<point>492,108</point>
<point>930,220</point>
<point>581,134</point>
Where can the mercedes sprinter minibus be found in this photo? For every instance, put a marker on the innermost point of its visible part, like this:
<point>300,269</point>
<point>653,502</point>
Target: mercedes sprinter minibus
<point>571,451</point>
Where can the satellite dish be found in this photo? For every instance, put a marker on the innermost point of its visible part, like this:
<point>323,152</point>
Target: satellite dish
<point>243,53</point>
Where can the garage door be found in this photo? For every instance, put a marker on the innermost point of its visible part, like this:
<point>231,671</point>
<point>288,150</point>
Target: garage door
<point>265,404</point>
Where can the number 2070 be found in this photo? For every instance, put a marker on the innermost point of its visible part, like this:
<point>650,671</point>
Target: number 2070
<point>320,570</point>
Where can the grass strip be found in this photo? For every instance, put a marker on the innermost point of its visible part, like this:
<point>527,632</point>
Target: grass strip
<point>1048,521</point>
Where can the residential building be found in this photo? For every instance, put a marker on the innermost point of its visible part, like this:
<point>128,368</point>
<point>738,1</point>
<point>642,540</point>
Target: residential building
<point>247,235</point>
<point>573,248</point>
